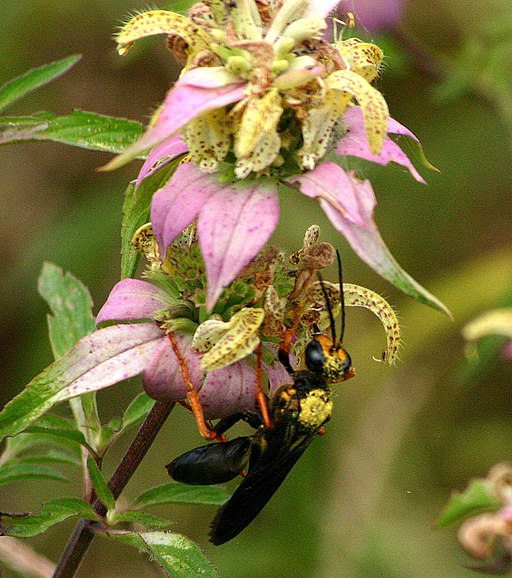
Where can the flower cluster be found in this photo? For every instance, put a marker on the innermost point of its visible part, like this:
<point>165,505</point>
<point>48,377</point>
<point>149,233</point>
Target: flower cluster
<point>269,297</point>
<point>265,106</point>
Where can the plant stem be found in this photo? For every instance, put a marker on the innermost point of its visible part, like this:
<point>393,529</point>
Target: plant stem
<point>82,536</point>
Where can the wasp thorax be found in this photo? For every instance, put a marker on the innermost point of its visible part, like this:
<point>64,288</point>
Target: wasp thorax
<point>315,408</point>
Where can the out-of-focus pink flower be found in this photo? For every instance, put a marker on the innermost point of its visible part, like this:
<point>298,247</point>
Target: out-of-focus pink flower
<point>374,15</point>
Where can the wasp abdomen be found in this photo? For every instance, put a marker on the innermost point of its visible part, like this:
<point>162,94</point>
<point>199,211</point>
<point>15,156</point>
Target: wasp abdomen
<point>215,463</point>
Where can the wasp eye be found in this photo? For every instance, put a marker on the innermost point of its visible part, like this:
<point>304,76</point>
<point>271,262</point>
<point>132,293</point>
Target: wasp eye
<point>315,357</point>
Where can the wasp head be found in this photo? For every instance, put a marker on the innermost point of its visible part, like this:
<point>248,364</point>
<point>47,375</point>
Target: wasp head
<point>328,359</point>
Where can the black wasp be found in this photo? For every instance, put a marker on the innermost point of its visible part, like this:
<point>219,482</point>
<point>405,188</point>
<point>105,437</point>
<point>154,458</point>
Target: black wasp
<point>297,411</point>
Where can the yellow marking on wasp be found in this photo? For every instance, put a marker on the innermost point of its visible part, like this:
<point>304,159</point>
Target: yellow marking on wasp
<point>315,408</point>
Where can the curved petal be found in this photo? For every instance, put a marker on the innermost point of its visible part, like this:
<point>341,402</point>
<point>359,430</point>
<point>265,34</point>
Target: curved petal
<point>178,203</point>
<point>362,234</point>
<point>355,142</point>
<point>163,379</point>
<point>131,299</point>
<point>233,226</point>
<point>183,103</point>
<point>108,356</point>
<point>229,390</point>
<point>331,183</point>
<point>169,149</point>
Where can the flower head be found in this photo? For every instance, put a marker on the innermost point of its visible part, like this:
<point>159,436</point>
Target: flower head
<point>272,300</point>
<point>262,101</point>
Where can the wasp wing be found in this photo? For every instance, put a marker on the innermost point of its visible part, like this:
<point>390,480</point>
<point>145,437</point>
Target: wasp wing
<point>277,457</point>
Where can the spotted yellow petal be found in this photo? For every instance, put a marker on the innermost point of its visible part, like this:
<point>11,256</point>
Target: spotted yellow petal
<point>316,131</point>
<point>354,296</point>
<point>260,117</point>
<point>208,333</point>
<point>161,22</point>
<point>373,105</point>
<point>363,58</point>
<point>357,296</point>
<point>209,139</point>
<point>238,339</point>
<point>143,241</point>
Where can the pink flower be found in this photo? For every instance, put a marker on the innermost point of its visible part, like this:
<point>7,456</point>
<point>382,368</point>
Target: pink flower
<point>133,304</point>
<point>235,222</point>
<point>262,100</point>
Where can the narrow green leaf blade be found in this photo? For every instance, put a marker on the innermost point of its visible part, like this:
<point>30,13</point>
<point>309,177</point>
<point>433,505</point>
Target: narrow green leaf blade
<point>32,442</point>
<point>136,205</point>
<point>71,306</point>
<point>475,499</point>
<point>100,485</point>
<point>53,456</point>
<point>52,513</point>
<point>20,128</point>
<point>86,130</point>
<point>35,78</point>
<point>137,410</point>
<point>178,556</point>
<point>12,472</point>
<point>71,435</point>
<point>176,493</point>
<point>151,522</point>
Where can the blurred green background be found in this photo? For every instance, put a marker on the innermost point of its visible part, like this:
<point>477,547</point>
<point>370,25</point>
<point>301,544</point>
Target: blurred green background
<point>363,501</point>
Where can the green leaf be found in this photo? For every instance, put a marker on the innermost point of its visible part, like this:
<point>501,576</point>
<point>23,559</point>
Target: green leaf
<point>86,130</point>
<point>416,150</point>
<point>71,319</point>
<point>475,499</point>
<point>71,306</point>
<point>176,493</point>
<point>175,553</point>
<point>52,513</point>
<point>137,410</point>
<point>100,485</point>
<point>72,435</point>
<point>151,522</point>
<point>53,456</point>
<point>12,472</point>
<point>20,128</point>
<point>35,78</point>
<point>108,356</point>
<point>59,427</point>
<point>29,443</point>
<point>136,205</point>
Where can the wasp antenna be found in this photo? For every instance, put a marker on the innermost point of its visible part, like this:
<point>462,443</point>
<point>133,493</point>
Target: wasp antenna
<point>329,308</point>
<point>342,298</point>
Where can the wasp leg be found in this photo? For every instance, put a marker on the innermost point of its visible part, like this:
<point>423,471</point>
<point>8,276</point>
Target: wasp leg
<point>253,419</point>
<point>261,398</point>
<point>205,429</point>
